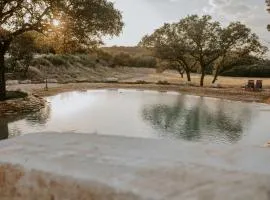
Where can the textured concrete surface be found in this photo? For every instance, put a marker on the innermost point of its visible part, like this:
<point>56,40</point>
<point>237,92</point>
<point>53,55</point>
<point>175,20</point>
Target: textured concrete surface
<point>54,166</point>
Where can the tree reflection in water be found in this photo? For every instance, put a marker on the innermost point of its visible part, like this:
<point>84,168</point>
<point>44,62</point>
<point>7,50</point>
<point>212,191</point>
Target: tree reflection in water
<point>3,130</point>
<point>198,122</point>
<point>40,117</point>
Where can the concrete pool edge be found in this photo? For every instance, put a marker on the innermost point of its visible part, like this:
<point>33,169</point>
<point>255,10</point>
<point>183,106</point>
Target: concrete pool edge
<point>130,168</point>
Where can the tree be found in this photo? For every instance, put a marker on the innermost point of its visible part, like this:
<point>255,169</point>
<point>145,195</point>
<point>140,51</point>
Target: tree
<point>87,20</point>
<point>237,43</point>
<point>168,43</point>
<point>201,42</point>
<point>22,51</point>
<point>178,67</point>
<point>202,37</point>
<point>191,42</point>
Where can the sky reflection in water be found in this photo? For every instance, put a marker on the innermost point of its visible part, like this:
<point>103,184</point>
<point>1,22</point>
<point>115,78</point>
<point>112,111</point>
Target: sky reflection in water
<point>148,114</point>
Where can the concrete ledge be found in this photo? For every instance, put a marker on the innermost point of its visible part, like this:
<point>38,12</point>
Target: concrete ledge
<point>68,166</point>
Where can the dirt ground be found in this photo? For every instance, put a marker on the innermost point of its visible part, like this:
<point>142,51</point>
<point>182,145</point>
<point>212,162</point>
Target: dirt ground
<point>229,88</point>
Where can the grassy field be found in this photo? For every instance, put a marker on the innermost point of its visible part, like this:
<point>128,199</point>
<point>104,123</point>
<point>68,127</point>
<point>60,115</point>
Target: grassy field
<point>83,68</point>
<point>173,77</point>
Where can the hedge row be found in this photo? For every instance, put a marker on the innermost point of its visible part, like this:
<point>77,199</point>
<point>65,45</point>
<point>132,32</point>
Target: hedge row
<point>249,71</point>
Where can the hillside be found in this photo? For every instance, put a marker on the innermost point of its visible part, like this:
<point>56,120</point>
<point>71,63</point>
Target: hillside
<point>73,68</point>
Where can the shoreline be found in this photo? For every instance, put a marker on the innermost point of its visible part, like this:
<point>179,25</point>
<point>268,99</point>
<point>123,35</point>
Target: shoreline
<point>234,94</point>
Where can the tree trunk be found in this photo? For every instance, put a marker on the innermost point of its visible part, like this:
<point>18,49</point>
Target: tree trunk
<point>188,76</point>
<point>215,77</point>
<point>2,77</point>
<point>202,77</point>
<point>4,130</point>
<point>217,73</point>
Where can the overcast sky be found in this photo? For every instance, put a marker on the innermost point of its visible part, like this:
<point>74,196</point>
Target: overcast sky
<point>144,16</point>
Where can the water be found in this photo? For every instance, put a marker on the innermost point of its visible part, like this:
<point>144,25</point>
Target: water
<point>148,114</point>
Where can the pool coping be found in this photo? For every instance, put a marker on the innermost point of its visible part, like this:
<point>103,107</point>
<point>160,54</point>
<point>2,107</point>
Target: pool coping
<point>130,168</point>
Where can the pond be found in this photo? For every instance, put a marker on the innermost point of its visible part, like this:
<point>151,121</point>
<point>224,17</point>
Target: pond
<point>148,114</point>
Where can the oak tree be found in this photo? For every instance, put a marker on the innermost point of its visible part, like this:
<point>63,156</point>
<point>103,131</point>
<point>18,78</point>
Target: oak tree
<point>168,43</point>
<point>237,42</point>
<point>87,20</point>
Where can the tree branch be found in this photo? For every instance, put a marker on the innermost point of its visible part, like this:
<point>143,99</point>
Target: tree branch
<point>5,15</point>
<point>32,27</point>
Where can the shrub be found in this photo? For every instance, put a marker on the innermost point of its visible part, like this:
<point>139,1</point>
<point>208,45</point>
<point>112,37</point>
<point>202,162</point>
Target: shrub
<point>143,61</point>
<point>56,60</point>
<point>41,62</point>
<point>122,59</point>
<point>15,95</point>
<point>249,71</point>
<point>86,60</point>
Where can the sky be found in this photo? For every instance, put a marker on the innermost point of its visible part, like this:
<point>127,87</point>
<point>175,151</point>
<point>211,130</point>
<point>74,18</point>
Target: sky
<point>142,17</point>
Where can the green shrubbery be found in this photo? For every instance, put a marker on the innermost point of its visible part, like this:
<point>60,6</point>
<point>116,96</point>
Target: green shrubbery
<point>64,60</point>
<point>127,60</point>
<point>15,95</point>
<point>249,71</point>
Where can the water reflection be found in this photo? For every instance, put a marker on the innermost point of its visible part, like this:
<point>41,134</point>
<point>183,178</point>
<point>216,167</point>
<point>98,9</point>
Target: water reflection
<point>38,118</point>
<point>41,117</point>
<point>3,130</point>
<point>146,114</point>
<point>198,121</point>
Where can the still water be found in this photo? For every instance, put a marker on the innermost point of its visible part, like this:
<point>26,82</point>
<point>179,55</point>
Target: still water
<point>148,114</point>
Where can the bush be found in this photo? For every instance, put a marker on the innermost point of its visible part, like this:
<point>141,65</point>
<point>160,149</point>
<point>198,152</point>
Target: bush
<point>122,59</point>
<point>125,59</point>
<point>143,61</point>
<point>56,60</point>
<point>249,71</point>
<point>10,65</point>
<point>41,62</point>
<point>87,60</point>
<point>15,95</point>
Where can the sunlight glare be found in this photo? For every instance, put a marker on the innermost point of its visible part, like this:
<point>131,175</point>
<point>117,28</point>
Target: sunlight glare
<point>56,22</point>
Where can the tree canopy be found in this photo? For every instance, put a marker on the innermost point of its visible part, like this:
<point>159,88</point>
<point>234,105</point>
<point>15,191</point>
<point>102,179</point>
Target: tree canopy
<point>200,41</point>
<point>84,20</point>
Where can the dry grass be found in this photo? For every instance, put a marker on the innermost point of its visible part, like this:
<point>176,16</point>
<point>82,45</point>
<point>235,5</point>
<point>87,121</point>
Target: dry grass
<point>173,77</point>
